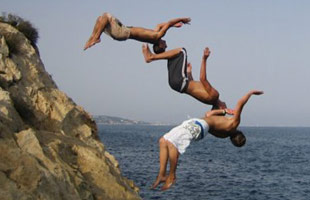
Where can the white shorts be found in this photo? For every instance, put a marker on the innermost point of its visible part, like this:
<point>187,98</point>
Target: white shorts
<point>182,135</point>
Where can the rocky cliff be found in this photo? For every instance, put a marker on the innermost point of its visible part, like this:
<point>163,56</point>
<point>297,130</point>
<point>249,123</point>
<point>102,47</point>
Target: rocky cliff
<point>49,146</point>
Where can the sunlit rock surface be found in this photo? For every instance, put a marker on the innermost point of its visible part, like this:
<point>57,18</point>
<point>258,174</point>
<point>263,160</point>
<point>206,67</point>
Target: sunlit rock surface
<point>49,146</point>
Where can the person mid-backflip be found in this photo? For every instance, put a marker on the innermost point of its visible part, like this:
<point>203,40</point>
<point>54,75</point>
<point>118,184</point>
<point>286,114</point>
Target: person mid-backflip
<point>175,142</point>
<point>114,28</point>
<point>180,75</point>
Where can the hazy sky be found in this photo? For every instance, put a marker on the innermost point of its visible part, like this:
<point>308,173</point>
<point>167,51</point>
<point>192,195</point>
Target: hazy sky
<point>254,45</point>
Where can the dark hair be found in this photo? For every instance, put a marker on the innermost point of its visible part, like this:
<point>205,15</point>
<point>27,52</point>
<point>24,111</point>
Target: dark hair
<point>157,49</point>
<point>237,138</point>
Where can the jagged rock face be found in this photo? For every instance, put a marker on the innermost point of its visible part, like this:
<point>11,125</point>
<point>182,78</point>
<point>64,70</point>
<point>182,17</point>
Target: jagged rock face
<point>49,147</point>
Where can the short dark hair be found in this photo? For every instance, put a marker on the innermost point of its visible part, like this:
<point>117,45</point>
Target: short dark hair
<point>157,49</point>
<point>237,138</point>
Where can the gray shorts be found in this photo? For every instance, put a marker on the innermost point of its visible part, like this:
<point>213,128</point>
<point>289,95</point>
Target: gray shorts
<point>116,29</point>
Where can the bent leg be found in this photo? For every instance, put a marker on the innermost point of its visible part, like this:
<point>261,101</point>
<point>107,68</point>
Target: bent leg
<point>101,23</point>
<point>173,159</point>
<point>163,158</point>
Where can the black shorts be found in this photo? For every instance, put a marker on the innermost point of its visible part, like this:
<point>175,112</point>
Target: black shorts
<point>177,65</point>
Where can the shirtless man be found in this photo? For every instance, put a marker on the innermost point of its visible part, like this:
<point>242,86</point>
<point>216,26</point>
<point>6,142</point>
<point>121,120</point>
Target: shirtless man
<point>175,142</point>
<point>180,75</point>
<point>114,28</point>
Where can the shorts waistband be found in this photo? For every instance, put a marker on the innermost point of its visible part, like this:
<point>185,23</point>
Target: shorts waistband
<point>202,132</point>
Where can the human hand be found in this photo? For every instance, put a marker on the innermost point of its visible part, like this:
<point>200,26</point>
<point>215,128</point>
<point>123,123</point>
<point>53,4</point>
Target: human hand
<point>183,21</point>
<point>206,53</point>
<point>230,111</point>
<point>186,20</point>
<point>256,92</point>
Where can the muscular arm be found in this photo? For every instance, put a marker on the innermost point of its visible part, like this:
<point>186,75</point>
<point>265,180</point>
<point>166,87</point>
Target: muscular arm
<point>241,103</point>
<point>203,76</point>
<point>163,27</point>
<point>216,112</point>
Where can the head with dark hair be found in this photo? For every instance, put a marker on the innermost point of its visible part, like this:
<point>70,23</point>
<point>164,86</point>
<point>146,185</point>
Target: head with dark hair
<point>160,46</point>
<point>237,138</point>
<point>219,104</point>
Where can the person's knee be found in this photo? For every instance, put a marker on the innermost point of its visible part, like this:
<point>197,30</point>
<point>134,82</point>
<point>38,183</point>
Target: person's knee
<point>162,141</point>
<point>105,15</point>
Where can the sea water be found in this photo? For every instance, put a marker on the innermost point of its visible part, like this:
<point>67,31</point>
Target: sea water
<point>273,165</point>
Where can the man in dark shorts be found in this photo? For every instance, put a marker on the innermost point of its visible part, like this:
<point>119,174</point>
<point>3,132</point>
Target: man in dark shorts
<point>180,75</point>
<point>113,27</point>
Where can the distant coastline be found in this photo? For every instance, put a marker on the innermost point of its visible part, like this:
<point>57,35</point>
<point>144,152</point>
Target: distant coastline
<point>111,120</point>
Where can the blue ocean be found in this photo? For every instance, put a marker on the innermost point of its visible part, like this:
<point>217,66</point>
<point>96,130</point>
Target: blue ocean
<point>273,165</point>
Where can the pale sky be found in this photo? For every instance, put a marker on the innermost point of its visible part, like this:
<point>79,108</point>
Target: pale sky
<point>258,44</point>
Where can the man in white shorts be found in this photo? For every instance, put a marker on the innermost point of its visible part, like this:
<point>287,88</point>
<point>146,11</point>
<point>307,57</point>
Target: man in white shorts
<point>113,27</point>
<point>175,142</point>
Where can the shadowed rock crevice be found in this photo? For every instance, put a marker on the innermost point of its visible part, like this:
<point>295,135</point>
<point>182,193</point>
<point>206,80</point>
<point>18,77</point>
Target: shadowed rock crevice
<point>49,146</point>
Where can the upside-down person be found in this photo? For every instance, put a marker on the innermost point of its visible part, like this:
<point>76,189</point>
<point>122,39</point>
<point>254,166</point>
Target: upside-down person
<point>175,142</point>
<point>113,27</point>
<point>180,75</point>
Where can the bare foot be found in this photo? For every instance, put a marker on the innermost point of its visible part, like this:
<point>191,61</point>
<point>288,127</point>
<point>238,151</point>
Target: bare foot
<point>169,182</point>
<point>159,180</point>
<point>91,42</point>
<point>187,20</point>
<point>146,53</point>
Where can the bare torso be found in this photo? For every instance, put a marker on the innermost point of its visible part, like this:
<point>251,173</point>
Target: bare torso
<point>143,35</point>
<point>220,126</point>
<point>198,91</point>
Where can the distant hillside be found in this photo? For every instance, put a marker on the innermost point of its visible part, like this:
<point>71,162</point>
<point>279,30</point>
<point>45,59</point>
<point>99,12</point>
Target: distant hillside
<point>104,119</point>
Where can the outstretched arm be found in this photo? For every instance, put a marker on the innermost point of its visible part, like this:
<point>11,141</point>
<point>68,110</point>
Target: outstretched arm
<point>241,103</point>
<point>214,95</point>
<point>216,112</point>
<point>149,56</point>
<point>163,27</point>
